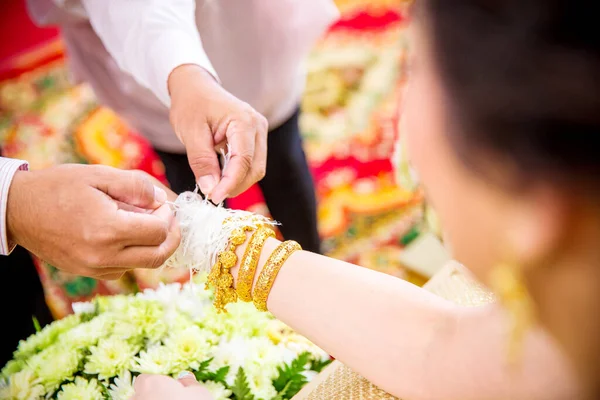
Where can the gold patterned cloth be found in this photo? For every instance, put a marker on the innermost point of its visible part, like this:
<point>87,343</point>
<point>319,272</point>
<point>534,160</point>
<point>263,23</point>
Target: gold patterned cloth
<point>453,282</point>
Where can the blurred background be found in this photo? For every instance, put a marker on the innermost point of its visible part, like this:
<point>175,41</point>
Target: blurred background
<point>349,122</point>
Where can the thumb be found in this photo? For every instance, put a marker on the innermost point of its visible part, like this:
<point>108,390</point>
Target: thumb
<point>203,159</point>
<point>187,379</point>
<point>134,188</point>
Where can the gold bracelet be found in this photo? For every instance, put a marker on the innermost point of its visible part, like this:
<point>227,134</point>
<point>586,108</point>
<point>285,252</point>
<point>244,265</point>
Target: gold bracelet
<point>250,262</point>
<point>220,277</point>
<point>269,272</point>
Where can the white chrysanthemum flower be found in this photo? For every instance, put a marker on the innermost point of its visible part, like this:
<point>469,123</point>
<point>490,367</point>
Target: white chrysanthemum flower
<point>300,345</point>
<point>233,353</point>
<point>194,301</point>
<point>165,294</point>
<point>262,351</point>
<point>12,367</point>
<point>155,360</point>
<point>261,386</point>
<point>22,385</point>
<point>55,365</point>
<point>128,330</point>
<point>46,336</point>
<point>218,391</point>
<point>116,303</point>
<point>176,327</point>
<point>178,322</point>
<point>111,357</point>
<point>188,347</point>
<point>148,317</point>
<point>122,388</point>
<point>81,389</point>
<point>88,333</point>
<point>83,307</point>
<point>310,375</point>
<point>175,298</point>
<point>242,319</point>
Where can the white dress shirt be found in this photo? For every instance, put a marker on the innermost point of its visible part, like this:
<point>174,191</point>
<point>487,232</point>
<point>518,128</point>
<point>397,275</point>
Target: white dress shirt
<point>8,168</point>
<point>126,50</point>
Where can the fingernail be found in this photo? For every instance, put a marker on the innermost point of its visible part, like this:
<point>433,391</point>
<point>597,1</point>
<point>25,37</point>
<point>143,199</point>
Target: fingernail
<point>160,195</point>
<point>207,184</point>
<point>218,199</point>
<point>183,374</point>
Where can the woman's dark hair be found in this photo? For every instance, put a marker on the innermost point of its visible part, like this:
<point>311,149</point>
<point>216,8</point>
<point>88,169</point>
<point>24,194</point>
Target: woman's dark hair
<point>523,82</point>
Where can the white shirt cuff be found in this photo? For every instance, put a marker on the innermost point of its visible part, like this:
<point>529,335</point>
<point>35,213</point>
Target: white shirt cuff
<point>8,168</point>
<point>176,48</point>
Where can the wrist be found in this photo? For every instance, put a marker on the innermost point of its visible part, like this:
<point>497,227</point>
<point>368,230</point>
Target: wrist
<point>268,248</point>
<point>14,206</point>
<point>184,75</point>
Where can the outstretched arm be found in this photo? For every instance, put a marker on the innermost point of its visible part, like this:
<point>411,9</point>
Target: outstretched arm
<point>406,340</point>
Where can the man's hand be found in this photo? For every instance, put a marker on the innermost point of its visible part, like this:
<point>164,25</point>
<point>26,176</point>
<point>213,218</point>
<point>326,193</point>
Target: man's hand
<point>205,117</point>
<point>92,220</point>
<point>158,387</point>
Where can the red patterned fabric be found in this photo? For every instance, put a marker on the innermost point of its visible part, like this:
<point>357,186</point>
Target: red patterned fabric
<point>350,115</point>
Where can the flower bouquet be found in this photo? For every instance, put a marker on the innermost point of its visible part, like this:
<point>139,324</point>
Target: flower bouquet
<point>97,352</point>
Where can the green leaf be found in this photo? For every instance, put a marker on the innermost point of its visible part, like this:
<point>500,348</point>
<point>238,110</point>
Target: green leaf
<point>319,365</point>
<point>202,370</point>
<point>240,388</point>
<point>36,324</point>
<point>216,376</point>
<point>290,378</point>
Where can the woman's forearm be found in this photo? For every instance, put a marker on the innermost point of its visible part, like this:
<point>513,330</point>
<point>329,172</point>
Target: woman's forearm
<point>404,339</point>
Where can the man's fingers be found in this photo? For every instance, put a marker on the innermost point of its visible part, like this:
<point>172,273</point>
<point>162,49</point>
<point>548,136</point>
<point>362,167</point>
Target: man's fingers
<point>151,256</point>
<point>108,274</point>
<point>203,159</point>
<point>171,195</point>
<point>130,187</point>
<point>241,140</point>
<point>259,165</point>
<point>143,229</point>
<point>112,276</point>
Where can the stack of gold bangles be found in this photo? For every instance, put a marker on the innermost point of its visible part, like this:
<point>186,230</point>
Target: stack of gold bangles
<point>221,280</point>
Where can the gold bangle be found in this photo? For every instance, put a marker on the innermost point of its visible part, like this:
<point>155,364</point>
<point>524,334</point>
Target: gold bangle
<point>220,277</point>
<point>250,262</point>
<point>269,272</point>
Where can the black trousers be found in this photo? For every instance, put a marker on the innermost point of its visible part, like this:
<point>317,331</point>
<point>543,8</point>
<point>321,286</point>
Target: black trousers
<point>23,297</point>
<point>287,186</point>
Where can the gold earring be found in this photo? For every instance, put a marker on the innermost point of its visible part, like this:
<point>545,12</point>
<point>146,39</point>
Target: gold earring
<point>508,285</point>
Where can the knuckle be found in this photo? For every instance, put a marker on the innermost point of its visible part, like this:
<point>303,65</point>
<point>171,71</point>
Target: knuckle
<point>260,172</point>
<point>96,237</point>
<point>247,115</point>
<point>262,123</point>
<point>160,235</point>
<point>201,161</point>
<point>142,187</point>
<point>246,160</point>
<point>93,259</point>
<point>158,259</point>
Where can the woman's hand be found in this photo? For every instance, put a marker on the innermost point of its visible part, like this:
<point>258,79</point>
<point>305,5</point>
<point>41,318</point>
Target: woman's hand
<point>159,387</point>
